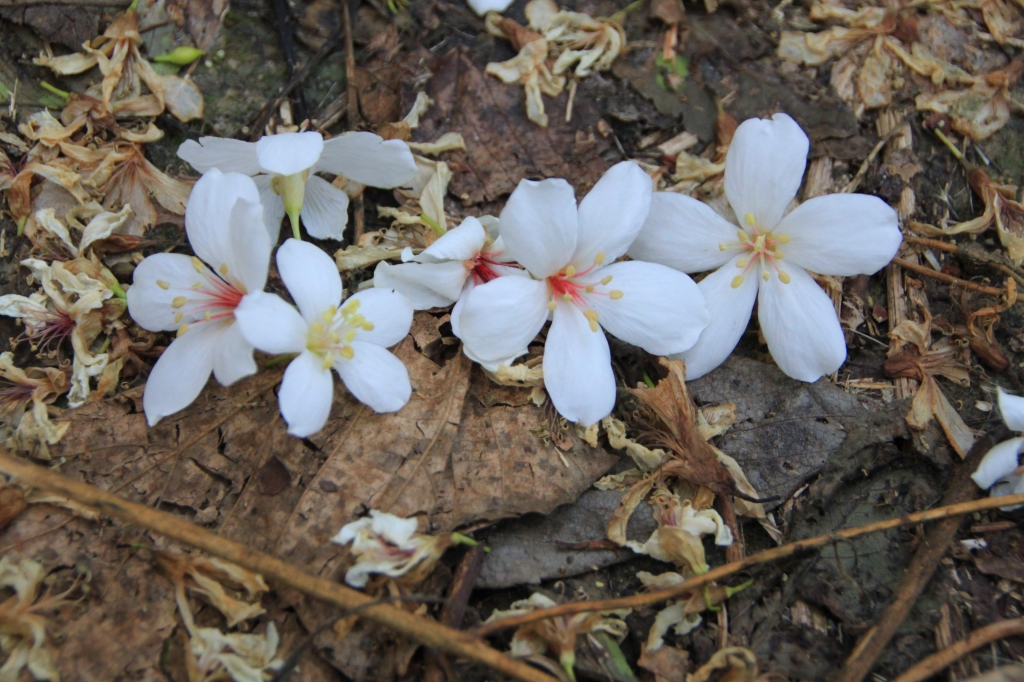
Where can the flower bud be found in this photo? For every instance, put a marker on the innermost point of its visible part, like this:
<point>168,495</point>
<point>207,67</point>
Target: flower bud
<point>181,56</point>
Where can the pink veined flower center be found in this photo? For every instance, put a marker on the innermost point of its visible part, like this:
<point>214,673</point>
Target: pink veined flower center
<point>565,285</point>
<point>482,266</point>
<point>213,297</point>
<point>46,330</point>
<point>761,250</point>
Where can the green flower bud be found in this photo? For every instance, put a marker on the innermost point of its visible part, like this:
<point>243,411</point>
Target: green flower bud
<point>182,56</point>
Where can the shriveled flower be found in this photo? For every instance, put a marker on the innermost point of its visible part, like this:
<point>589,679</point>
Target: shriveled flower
<point>24,428</point>
<point>1000,470</point>
<point>124,70</point>
<point>198,295</point>
<point>385,544</point>
<point>284,168</point>
<point>352,337</point>
<point>557,634</point>
<point>838,234</point>
<point>680,528</point>
<point>570,256</point>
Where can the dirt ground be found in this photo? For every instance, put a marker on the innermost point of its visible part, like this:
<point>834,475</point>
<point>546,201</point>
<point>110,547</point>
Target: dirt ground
<point>470,455</point>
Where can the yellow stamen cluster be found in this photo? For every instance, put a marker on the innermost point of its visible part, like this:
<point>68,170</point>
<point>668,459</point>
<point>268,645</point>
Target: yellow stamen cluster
<point>330,336</point>
<point>591,316</point>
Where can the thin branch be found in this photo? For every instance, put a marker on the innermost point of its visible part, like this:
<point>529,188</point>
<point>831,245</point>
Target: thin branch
<point>948,279</point>
<point>427,632</point>
<point>862,171</point>
<point>768,556</point>
<point>934,243</point>
<point>951,654</point>
<point>64,3</point>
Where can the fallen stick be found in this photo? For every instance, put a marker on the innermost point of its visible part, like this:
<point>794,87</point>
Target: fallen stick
<point>428,632</point>
<point>918,574</point>
<point>715,574</point>
<point>948,279</point>
<point>951,654</point>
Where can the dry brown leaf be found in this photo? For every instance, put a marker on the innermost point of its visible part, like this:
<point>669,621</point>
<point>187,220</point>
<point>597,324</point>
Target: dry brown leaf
<point>208,576</point>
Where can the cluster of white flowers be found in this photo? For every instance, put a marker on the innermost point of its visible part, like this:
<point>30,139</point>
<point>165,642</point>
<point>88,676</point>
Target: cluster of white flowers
<point>553,261</point>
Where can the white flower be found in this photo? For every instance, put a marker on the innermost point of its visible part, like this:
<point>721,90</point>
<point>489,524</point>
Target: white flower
<point>284,166</point>
<point>198,295</point>
<point>444,271</point>
<point>999,470</point>
<point>838,234</point>
<point>352,338</point>
<point>570,254</point>
<point>389,545</point>
<point>482,7</point>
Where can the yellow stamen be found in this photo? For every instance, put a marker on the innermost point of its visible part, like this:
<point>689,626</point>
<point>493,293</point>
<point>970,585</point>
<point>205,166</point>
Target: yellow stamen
<point>177,318</point>
<point>552,305</point>
<point>593,325</point>
<point>350,335</point>
<point>779,255</point>
<point>782,239</point>
<point>223,269</point>
<point>207,315</point>
<point>737,281</point>
<point>367,326</point>
<point>784,277</point>
<point>749,218</point>
<point>759,243</point>
<point>316,328</point>
<point>590,288</point>
<point>197,285</point>
<point>591,316</point>
<point>327,362</point>
<point>347,352</point>
<point>357,320</point>
<point>742,263</point>
<point>350,307</point>
<point>198,266</point>
<point>567,297</point>
<point>744,237</point>
<point>329,313</point>
<point>182,329</point>
<point>599,258</point>
<point>764,273</point>
<point>570,271</point>
<point>615,294</point>
<point>335,338</point>
<point>163,285</point>
<point>178,301</point>
<point>722,246</point>
<point>605,280</point>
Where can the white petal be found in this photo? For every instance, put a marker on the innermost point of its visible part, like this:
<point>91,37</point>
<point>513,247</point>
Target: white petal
<point>456,313</point>
<point>232,356</point>
<point>999,462</point>
<point>324,210</point>
<point>461,243</point>
<point>311,276</point>
<point>390,313</point>
<point>149,304</point>
<point>273,206</point>
<point>375,377</point>
<point>289,153</point>
<point>577,367</point>
<point>764,168</point>
<point>612,213</point>
<point>208,214</point>
<point>1012,409</point>
<point>306,394</point>
<point>427,285</point>
<point>841,234</point>
<point>500,319</point>
<point>684,234</point>
<point>222,153</point>
<point>249,246</point>
<point>661,310</point>
<point>181,372</point>
<point>270,324</point>
<point>800,325</point>
<point>368,159</point>
<point>482,7</point>
<point>394,529</point>
<point>539,225</point>
<point>730,310</point>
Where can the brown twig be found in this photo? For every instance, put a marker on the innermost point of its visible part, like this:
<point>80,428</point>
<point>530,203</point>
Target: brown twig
<point>424,631</point>
<point>948,279</point>
<point>455,607</point>
<point>871,645</point>
<point>979,638</point>
<point>768,556</point>
<point>933,243</point>
<point>897,127</point>
<point>65,3</point>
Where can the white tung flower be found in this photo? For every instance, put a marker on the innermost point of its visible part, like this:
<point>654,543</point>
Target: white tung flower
<point>770,254</point>
<point>482,7</point>
<point>999,470</point>
<point>389,545</point>
<point>570,254</point>
<point>283,167</point>
<point>198,295</point>
<point>443,272</point>
<point>352,338</point>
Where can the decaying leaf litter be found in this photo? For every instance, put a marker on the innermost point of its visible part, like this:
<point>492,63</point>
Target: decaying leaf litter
<point>916,103</point>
